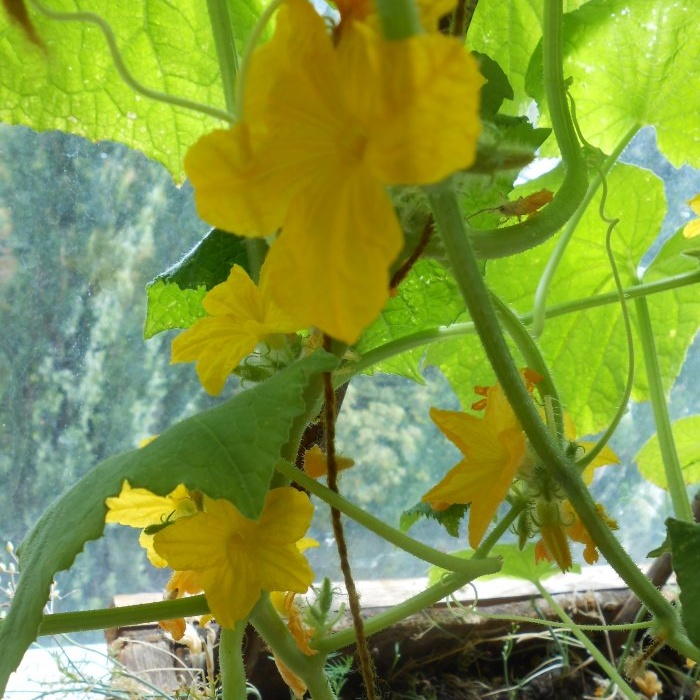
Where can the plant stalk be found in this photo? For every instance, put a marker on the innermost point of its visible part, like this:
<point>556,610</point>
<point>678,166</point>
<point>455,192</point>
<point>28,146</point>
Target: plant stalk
<point>672,467</point>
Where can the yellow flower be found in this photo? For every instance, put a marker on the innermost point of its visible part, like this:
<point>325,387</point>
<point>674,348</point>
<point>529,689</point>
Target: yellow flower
<point>327,125</point>
<point>241,315</point>
<point>315,464</point>
<point>494,448</point>
<point>692,228</point>
<point>605,457</point>
<point>236,558</point>
<point>559,521</point>
<point>142,509</point>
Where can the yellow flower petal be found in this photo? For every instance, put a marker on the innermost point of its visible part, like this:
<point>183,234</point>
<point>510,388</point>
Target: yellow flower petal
<point>315,464</point>
<point>425,121</point>
<point>494,447</point>
<point>605,457</point>
<point>229,188</point>
<point>336,271</point>
<point>141,508</point>
<point>695,204</point>
<point>692,229</point>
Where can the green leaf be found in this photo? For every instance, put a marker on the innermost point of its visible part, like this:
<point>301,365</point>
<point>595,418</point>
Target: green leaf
<point>209,262</point>
<point>427,298</point>
<point>630,64</point>
<point>448,518</point>
<point>17,12</point>
<point>686,435</point>
<point>587,349</point>
<point>520,563</point>
<point>171,307</point>
<point>175,296</point>
<point>167,47</point>
<point>508,32</point>
<point>517,563</point>
<point>226,452</point>
<point>685,550</point>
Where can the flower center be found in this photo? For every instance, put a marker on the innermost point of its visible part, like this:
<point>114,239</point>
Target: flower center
<point>236,540</point>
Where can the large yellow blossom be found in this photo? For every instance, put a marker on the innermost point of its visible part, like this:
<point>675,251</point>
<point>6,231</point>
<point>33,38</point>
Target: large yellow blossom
<point>240,316</point>
<point>142,509</point>
<point>235,558</point>
<point>494,448</point>
<point>328,121</point>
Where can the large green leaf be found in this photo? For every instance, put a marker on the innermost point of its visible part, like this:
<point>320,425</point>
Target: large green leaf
<point>587,349</point>
<point>226,452</point>
<point>686,435</point>
<point>427,298</point>
<point>685,550</point>
<point>508,32</point>
<point>631,65</point>
<point>74,86</point>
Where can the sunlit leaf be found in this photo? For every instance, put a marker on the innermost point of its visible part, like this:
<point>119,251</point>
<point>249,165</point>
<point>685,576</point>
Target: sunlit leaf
<point>630,65</point>
<point>74,86</point>
<point>226,452</point>
<point>508,33</point>
<point>171,307</point>
<point>686,435</point>
<point>427,298</point>
<point>685,550</point>
<point>517,563</point>
<point>587,348</point>
<point>17,11</point>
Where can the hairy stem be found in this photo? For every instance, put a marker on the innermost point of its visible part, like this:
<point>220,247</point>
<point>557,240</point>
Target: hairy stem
<point>450,224</point>
<point>233,678</point>
<point>276,635</point>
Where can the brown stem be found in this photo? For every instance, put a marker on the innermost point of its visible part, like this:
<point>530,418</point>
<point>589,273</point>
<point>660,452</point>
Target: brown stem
<point>462,17</point>
<point>401,273</point>
<point>363,654</point>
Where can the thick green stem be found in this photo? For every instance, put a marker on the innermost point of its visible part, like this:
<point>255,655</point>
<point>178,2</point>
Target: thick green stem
<point>386,532</point>
<point>309,668</point>
<point>449,219</point>
<point>674,475</point>
<point>83,620</point>
<point>610,671</point>
<point>533,359</point>
<point>233,678</point>
<point>447,585</point>
<point>539,313</point>
<point>225,43</point>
